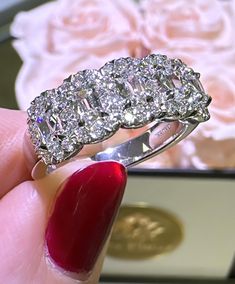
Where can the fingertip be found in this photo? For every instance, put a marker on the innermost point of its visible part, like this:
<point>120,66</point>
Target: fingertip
<point>82,216</point>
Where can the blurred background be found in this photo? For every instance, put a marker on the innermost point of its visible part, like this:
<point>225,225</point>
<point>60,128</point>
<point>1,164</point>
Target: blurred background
<point>177,218</point>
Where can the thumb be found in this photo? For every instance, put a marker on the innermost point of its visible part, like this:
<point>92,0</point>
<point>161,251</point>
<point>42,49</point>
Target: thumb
<point>54,230</point>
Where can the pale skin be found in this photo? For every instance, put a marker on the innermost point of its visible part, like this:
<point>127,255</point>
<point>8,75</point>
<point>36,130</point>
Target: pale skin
<point>25,207</point>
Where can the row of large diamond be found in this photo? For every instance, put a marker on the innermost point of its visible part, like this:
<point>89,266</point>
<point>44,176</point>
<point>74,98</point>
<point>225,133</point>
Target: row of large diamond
<point>92,105</point>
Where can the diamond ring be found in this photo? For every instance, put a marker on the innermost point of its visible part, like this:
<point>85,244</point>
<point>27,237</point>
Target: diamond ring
<point>155,94</point>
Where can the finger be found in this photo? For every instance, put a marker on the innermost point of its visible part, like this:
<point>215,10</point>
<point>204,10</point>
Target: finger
<point>17,154</point>
<point>54,229</point>
<point>14,167</point>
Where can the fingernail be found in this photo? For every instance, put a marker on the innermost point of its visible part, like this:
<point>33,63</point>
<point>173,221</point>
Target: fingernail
<point>83,215</point>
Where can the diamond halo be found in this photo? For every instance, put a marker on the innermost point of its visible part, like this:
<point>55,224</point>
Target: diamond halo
<point>91,105</point>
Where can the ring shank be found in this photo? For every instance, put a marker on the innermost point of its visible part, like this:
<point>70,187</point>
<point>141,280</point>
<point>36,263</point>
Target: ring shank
<point>159,137</point>
<point>154,141</point>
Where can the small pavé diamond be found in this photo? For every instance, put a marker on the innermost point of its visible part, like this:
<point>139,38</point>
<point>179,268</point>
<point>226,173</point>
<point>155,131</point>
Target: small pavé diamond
<point>82,135</point>
<point>121,66</point>
<point>136,116</point>
<point>91,105</point>
<point>114,105</point>
<point>35,134</point>
<point>107,69</point>
<point>76,79</point>
<point>68,144</point>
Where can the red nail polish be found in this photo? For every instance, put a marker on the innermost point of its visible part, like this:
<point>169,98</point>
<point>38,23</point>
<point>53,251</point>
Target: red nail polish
<point>83,215</point>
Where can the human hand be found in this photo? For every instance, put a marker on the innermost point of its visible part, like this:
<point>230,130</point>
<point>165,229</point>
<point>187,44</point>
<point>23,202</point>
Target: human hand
<point>55,229</point>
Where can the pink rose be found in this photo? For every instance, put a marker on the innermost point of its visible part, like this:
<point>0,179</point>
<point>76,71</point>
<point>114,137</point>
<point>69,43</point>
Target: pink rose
<point>62,37</point>
<point>201,33</point>
<point>183,27</point>
<point>212,145</point>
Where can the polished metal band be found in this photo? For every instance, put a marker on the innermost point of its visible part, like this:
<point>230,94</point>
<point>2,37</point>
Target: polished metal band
<point>154,141</point>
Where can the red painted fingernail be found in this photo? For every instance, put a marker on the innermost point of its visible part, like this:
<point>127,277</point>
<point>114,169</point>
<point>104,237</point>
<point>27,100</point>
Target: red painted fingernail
<point>83,215</point>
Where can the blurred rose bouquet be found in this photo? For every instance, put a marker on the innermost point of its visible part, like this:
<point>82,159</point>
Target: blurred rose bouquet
<point>61,37</point>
